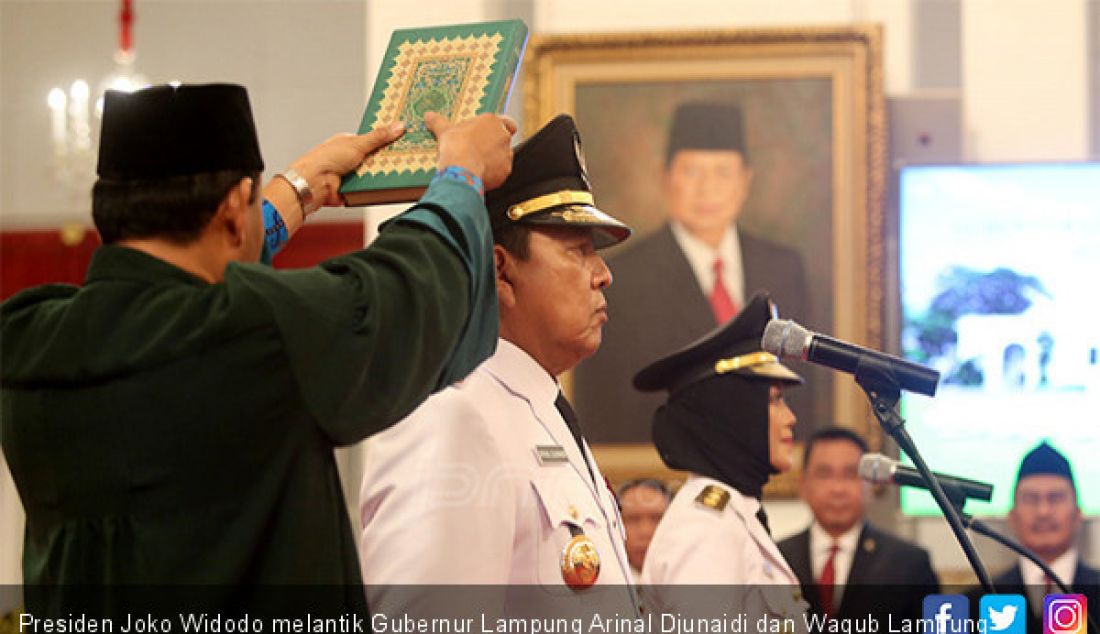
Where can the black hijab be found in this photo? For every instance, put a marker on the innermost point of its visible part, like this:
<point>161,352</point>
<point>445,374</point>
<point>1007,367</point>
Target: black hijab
<point>718,428</point>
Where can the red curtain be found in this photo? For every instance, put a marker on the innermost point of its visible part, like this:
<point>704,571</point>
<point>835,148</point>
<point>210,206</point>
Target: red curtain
<point>315,243</point>
<point>30,258</point>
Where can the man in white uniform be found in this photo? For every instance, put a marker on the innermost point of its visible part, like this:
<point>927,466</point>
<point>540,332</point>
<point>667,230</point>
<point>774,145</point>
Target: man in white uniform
<point>726,423</point>
<point>490,481</point>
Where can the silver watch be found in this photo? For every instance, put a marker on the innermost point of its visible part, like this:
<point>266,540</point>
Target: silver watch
<point>301,188</point>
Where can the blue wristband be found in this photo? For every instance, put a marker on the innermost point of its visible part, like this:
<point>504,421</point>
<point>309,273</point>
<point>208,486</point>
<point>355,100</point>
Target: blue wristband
<point>461,175</point>
<point>275,232</point>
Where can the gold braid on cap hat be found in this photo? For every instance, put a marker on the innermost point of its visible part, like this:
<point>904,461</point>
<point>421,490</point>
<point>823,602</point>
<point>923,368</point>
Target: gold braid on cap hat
<point>723,366</point>
<point>546,201</point>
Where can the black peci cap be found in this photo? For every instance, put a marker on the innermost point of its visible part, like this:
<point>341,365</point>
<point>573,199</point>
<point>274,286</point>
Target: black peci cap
<point>732,348</point>
<point>549,186</point>
<point>706,126</point>
<point>165,131</point>
<point>1045,460</point>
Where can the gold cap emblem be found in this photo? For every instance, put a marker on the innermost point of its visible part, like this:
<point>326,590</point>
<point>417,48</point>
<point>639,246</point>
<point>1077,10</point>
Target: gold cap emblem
<point>580,563</point>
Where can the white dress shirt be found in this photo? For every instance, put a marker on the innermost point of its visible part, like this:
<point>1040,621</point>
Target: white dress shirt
<point>1035,579</point>
<point>701,256</point>
<point>821,544</point>
<point>482,484</point>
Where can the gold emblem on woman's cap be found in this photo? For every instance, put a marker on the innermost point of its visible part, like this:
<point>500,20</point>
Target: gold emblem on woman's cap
<point>580,563</point>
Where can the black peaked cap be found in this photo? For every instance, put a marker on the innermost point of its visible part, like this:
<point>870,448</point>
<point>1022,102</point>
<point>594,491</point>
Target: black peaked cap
<point>730,349</point>
<point>549,186</point>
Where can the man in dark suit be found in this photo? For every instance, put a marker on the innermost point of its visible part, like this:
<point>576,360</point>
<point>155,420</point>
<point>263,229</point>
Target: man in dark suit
<point>1046,520</point>
<point>847,568</point>
<point>688,277</point>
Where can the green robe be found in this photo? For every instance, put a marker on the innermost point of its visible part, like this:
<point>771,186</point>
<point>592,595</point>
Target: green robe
<point>162,430</point>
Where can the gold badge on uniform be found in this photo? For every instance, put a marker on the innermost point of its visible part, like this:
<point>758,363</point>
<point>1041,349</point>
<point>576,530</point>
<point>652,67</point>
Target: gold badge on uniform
<point>714,497</point>
<point>580,562</point>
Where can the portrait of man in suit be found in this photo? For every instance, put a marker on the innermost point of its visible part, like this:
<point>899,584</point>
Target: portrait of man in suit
<point>848,568</point>
<point>690,275</point>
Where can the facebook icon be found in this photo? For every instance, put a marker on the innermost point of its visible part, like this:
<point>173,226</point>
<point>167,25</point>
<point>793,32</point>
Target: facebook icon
<point>947,613</point>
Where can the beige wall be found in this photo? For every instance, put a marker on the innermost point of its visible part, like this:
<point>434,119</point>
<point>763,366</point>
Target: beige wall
<point>1025,72</point>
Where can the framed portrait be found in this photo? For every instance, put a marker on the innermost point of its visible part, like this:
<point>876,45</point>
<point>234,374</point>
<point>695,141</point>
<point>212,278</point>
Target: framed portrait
<point>806,110</point>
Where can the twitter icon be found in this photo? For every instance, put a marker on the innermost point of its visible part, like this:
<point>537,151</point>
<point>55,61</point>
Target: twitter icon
<point>1003,614</point>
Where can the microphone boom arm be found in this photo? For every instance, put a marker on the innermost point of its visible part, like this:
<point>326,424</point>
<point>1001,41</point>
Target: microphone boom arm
<point>881,386</point>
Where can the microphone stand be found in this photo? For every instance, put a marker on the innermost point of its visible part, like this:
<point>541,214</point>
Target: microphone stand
<point>882,388</point>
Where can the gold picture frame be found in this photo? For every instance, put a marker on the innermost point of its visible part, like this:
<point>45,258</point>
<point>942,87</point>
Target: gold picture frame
<point>618,85</point>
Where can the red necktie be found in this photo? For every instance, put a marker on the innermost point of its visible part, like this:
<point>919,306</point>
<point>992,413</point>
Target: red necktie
<point>720,303</point>
<point>826,582</point>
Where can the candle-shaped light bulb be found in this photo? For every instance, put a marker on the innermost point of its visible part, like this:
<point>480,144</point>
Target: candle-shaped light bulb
<point>79,90</point>
<point>78,115</point>
<point>56,101</point>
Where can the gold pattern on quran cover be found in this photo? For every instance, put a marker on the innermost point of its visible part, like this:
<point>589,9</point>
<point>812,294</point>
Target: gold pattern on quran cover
<point>478,52</point>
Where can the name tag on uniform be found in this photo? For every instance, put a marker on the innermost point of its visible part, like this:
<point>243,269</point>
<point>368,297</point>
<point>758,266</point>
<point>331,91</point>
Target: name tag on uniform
<point>551,454</point>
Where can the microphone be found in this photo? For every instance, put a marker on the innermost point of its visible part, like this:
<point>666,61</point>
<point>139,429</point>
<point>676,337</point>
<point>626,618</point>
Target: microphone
<point>784,338</point>
<point>878,469</point>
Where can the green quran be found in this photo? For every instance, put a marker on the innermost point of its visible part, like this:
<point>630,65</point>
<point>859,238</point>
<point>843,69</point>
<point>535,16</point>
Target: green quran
<point>459,71</point>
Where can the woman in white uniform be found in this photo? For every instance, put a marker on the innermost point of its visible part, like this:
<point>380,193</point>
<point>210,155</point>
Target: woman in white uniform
<point>726,423</point>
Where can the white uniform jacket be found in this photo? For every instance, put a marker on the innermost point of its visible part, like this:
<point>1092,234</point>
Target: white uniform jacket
<point>710,536</point>
<point>481,484</point>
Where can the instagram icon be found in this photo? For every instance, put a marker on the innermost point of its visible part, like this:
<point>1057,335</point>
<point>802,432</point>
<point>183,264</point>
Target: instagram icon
<point>1065,614</point>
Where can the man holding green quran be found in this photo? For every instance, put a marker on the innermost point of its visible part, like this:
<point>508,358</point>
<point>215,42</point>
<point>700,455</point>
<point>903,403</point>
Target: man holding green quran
<point>173,420</point>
